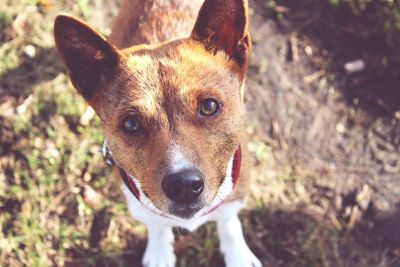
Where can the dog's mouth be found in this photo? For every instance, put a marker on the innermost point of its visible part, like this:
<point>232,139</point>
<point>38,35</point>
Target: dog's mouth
<point>189,210</point>
<point>185,211</point>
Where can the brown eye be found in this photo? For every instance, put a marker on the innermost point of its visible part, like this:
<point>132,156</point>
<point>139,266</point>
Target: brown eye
<point>209,107</point>
<point>130,124</point>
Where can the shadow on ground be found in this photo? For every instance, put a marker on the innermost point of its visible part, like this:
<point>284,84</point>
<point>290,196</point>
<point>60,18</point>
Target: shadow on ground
<point>19,81</point>
<point>344,37</point>
<point>278,237</point>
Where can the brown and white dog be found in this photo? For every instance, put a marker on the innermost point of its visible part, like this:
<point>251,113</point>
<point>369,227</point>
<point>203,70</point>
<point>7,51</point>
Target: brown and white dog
<point>172,113</point>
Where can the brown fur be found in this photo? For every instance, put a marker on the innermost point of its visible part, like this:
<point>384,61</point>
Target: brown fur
<point>153,21</point>
<point>163,84</point>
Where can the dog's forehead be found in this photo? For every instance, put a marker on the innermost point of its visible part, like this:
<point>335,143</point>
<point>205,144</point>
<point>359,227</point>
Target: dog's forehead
<point>159,78</point>
<point>182,69</point>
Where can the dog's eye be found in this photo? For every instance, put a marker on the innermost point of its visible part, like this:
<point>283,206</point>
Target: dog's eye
<point>209,107</point>
<point>130,124</point>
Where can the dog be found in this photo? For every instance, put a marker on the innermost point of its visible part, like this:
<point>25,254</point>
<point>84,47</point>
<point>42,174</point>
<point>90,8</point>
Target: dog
<point>172,114</point>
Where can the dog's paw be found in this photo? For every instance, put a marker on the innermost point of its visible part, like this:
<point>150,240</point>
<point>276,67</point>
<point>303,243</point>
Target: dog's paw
<point>159,257</point>
<point>241,258</point>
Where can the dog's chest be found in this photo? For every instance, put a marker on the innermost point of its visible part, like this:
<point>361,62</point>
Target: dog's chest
<point>146,216</point>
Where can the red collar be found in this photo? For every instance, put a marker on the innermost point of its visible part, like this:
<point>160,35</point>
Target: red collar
<point>129,183</point>
<point>237,159</point>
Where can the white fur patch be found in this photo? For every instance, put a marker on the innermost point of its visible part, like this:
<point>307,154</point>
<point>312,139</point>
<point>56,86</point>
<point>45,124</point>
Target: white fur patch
<point>233,245</point>
<point>177,160</point>
<point>223,192</point>
<point>159,250</point>
<point>144,210</point>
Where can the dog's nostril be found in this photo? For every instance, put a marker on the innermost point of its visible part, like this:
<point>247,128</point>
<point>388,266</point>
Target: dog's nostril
<point>197,186</point>
<point>185,186</point>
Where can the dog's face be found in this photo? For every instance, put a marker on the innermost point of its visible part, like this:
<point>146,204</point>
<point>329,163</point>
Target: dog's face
<point>171,113</point>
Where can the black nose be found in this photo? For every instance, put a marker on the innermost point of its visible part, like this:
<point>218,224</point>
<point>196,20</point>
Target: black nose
<point>184,186</point>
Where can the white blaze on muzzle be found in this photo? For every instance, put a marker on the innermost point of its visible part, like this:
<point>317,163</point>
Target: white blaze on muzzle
<point>178,163</point>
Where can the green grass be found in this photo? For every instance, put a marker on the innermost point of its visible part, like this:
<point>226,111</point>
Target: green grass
<point>44,217</point>
<point>48,157</point>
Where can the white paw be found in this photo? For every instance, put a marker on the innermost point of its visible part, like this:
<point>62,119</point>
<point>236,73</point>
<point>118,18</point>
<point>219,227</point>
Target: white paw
<point>159,257</point>
<point>240,258</point>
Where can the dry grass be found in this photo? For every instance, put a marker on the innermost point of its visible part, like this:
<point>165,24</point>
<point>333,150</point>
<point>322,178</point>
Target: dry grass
<point>52,176</point>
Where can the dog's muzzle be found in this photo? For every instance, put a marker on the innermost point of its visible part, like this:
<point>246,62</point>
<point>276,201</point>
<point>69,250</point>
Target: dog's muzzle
<point>225,189</point>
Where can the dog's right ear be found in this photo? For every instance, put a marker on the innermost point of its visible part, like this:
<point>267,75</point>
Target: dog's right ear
<point>91,60</point>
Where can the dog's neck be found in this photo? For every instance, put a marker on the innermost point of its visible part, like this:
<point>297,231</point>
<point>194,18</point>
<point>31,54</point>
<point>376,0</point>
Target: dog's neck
<point>153,21</point>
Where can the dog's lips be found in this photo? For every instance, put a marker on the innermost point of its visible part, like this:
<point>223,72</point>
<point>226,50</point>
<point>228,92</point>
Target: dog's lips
<point>185,211</point>
<point>190,211</point>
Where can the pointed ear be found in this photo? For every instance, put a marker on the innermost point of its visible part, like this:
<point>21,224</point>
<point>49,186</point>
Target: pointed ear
<point>223,25</point>
<point>91,60</point>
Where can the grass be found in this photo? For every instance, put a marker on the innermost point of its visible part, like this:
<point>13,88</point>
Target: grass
<point>52,176</point>
<point>47,155</point>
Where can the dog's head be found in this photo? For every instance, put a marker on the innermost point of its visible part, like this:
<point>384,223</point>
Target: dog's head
<point>171,113</point>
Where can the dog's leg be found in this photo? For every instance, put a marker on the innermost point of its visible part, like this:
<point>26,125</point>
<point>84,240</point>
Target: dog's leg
<point>159,251</point>
<point>232,244</point>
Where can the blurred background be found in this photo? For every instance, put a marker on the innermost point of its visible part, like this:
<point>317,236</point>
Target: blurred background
<point>323,97</point>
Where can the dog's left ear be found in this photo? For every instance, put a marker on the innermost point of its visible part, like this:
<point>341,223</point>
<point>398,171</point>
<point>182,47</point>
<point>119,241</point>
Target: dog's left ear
<point>222,25</point>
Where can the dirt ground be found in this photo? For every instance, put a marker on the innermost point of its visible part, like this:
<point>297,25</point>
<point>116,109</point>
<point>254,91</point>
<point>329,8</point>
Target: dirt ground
<point>325,146</point>
<point>340,140</point>
<point>339,132</point>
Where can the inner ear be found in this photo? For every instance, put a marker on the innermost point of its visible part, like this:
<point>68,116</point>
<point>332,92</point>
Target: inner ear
<point>223,25</point>
<point>91,60</point>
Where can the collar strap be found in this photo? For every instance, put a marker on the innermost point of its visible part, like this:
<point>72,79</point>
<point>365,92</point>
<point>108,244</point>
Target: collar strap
<point>127,180</point>
<point>237,160</point>
<point>129,183</point>
<point>107,153</point>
